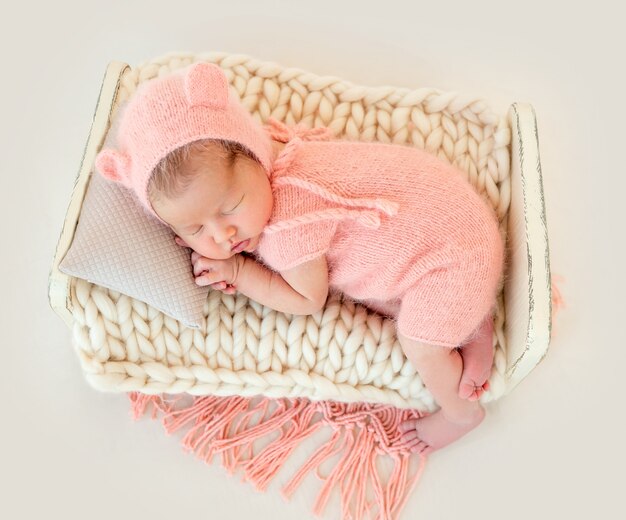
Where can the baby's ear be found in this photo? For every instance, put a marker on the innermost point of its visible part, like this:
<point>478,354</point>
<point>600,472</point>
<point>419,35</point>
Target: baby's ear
<point>179,241</point>
<point>113,165</point>
<point>206,85</point>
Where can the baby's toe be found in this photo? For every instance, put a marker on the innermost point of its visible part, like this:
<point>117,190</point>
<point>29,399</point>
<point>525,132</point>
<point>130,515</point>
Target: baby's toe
<point>410,436</point>
<point>479,391</point>
<point>427,450</point>
<point>418,447</point>
<point>475,394</point>
<point>466,389</point>
<point>408,425</point>
<point>412,442</point>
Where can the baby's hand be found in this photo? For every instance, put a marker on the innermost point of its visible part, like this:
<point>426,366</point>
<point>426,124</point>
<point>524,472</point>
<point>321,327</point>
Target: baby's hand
<point>218,274</point>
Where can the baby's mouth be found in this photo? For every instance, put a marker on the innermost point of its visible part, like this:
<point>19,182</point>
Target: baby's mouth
<point>240,246</point>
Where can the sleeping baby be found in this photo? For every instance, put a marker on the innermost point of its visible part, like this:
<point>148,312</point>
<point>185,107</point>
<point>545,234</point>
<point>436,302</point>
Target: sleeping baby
<point>285,214</point>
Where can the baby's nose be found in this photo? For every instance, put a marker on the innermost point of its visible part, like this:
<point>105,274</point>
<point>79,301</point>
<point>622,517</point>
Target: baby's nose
<point>224,234</point>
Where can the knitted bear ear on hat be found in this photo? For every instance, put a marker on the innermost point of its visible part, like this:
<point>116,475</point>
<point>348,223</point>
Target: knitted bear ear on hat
<point>206,86</point>
<point>113,165</point>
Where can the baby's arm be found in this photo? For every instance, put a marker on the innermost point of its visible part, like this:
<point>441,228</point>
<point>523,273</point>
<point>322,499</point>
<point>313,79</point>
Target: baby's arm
<point>301,290</point>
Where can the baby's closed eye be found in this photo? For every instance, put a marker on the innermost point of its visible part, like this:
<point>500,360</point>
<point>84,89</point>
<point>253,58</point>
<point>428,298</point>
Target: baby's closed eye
<point>228,212</point>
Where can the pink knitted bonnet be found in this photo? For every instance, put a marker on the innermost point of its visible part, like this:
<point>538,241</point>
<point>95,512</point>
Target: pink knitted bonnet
<point>169,112</point>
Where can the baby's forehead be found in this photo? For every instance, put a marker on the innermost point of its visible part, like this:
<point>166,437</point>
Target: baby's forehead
<point>210,162</point>
<point>207,150</point>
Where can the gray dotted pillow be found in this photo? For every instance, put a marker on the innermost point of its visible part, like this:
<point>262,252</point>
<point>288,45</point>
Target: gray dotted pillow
<point>120,246</point>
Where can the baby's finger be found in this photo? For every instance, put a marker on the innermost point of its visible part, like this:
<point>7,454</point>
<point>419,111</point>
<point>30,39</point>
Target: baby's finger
<point>200,265</point>
<point>208,279</point>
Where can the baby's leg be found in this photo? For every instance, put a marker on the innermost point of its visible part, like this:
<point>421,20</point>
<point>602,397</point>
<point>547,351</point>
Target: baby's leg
<point>477,356</point>
<point>440,368</point>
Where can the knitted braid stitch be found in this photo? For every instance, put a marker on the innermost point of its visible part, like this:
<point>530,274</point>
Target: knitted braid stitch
<point>344,352</point>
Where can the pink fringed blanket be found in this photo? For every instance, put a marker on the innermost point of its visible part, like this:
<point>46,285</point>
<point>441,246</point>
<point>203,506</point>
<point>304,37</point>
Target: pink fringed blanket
<point>361,432</point>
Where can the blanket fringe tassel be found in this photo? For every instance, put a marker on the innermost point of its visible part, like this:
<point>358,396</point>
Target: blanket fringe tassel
<point>229,426</point>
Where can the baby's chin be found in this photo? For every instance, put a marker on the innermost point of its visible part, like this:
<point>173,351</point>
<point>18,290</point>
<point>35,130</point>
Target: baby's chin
<point>254,242</point>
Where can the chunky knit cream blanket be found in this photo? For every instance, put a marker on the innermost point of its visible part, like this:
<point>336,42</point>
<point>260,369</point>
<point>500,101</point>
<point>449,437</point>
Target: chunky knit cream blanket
<point>345,352</point>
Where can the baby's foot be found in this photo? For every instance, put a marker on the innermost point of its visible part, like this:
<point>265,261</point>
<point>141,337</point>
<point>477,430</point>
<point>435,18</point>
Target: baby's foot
<point>435,431</point>
<point>477,357</point>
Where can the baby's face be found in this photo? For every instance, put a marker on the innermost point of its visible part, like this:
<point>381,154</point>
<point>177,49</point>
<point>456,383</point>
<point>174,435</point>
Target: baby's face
<point>224,210</point>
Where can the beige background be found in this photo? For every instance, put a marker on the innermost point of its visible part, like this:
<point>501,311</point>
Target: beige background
<point>553,448</point>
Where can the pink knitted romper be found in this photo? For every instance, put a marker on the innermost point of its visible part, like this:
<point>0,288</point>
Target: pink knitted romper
<point>402,231</point>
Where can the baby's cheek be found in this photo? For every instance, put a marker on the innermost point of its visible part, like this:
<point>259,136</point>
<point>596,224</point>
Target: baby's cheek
<point>213,252</point>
